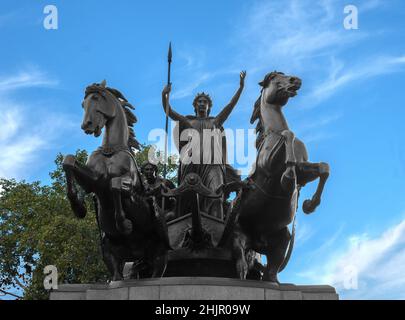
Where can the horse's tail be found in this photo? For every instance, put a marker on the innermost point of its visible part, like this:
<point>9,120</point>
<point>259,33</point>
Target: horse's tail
<point>290,248</point>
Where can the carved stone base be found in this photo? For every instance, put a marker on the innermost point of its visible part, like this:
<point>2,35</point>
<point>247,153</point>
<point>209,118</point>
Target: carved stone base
<point>192,288</point>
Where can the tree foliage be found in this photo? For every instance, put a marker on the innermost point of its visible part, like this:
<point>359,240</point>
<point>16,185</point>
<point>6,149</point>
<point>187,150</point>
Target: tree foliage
<point>149,153</point>
<point>37,228</point>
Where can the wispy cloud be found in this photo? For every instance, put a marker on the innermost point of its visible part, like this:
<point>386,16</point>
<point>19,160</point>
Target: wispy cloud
<point>189,89</point>
<point>10,122</point>
<point>314,131</point>
<point>21,137</point>
<point>18,148</point>
<point>340,77</point>
<point>196,73</point>
<point>304,233</point>
<point>378,262</point>
<point>328,244</point>
<point>26,79</point>
<point>191,58</point>
<point>289,35</point>
<point>307,38</point>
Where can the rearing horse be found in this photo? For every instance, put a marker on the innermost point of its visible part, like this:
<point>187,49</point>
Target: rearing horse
<point>131,227</point>
<point>268,203</point>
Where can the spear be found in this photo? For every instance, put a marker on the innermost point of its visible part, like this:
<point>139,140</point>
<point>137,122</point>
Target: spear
<point>169,61</point>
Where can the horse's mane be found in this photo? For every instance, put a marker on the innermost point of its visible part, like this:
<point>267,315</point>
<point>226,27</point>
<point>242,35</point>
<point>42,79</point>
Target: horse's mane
<point>126,106</point>
<point>131,118</point>
<point>256,114</point>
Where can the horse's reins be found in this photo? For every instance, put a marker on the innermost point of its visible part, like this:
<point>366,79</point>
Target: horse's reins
<point>254,183</point>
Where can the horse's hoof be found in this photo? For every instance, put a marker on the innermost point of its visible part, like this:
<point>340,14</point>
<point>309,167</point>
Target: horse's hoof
<point>309,206</point>
<point>69,161</point>
<point>242,269</point>
<point>272,279</point>
<point>117,277</point>
<point>125,227</point>
<point>242,275</point>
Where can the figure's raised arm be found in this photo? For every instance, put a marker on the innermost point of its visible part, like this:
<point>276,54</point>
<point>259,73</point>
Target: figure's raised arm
<point>224,114</point>
<point>168,108</point>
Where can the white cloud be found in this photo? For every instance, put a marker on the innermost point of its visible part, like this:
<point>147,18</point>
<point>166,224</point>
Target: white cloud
<point>307,38</point>
<point>312,131</point>
<point>191,58</point>
<point>328,244</point>
<point>340,77</point>
<point>318,136</point>
<point>189,89</point>
<point>379,262</point>
<point>10,120</point>
<point>286,35</point>
<point>304,232</point>
<point>21,137</point>
<point>25,79</point>
<point>19,155</point>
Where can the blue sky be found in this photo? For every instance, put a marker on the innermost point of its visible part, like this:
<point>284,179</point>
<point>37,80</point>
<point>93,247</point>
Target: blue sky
<point>349,112</point>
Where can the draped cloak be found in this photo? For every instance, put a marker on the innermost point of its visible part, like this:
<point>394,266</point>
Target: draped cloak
<point>210,162</point>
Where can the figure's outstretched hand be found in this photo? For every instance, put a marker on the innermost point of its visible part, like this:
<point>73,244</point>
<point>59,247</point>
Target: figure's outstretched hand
<point>242,78</point>
<point>166,90</point>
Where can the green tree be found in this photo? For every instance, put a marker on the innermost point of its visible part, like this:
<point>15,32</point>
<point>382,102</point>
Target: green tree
<point>38,228</point>
<point>149,152</point>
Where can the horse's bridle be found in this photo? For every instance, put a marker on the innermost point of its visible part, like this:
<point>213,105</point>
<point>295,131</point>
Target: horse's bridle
<point>110,150</point>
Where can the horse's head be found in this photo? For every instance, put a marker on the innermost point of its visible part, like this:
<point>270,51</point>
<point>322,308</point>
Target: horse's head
<point>278,88</point>
<point>99,106</point>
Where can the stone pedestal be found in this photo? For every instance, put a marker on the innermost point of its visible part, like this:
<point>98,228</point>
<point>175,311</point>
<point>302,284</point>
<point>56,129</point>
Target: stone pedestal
<point>192,288</point>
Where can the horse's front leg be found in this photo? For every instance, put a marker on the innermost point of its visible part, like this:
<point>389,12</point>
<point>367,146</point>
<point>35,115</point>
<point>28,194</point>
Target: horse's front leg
<point>159,260</point>
<point>75,172</point>
<point>112,260</point>
<point>308,172</point>
<point>278,245</point>
<point>239,244</point>
<point>83,175</point>
<point>118,185</point>
<point>289,178</point>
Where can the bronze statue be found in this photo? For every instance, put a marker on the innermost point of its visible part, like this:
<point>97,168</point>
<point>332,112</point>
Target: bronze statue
<point>267,203</point>
<point>131,224</point>
<point>180,230</point>
<point>210,164</point>
<point>154,185</point>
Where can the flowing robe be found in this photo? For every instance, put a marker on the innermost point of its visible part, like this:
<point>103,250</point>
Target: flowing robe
<point>205,156</point>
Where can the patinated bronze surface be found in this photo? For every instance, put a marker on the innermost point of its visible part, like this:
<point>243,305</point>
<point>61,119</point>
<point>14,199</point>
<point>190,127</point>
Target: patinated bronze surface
<point>210,163</point>
<point>267,204</point>
<point>190,228</point>
<point>130,223</point>
<point>154,185</point>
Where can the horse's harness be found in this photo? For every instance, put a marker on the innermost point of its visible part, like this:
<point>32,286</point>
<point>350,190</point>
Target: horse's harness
<point>251,183</point>
<point>109,151</point>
